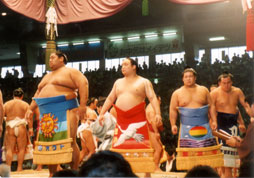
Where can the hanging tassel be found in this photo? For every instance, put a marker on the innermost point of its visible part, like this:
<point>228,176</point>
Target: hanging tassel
<point>145,8</point>
<point>51,17</point>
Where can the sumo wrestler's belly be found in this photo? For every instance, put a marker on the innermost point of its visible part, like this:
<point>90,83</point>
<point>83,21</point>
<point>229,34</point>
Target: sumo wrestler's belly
<point>128,101</point>
<point>51,90</point>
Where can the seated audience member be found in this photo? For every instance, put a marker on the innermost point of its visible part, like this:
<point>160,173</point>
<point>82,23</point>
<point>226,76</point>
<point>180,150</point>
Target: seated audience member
<point>104,133</point>
<point>202,171</point>
<point>246,169</point>
<point>106,164</point>
<point>66,173</point>
<point>245,146</point>
<point>170,164</point>
<point>5,170</point>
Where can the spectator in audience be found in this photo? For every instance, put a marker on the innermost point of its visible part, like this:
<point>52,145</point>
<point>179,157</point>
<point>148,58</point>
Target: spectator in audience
<point>213,86</point>
<point>92,103</point>
<point>246,169</point>
<point>5,170</point>
<point>66,173</point>
<point>84,132</point>
<point>104,133</point>
<point>245,146</point>
<point>106,164</point>
<point>170,164</point>
<point>202,171</point>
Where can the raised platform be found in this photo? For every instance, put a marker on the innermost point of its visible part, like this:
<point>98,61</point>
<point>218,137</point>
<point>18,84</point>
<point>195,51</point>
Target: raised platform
<point>45,173</point>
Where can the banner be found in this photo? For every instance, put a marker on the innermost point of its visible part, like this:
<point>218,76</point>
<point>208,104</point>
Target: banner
<point>196,1</point>
<point>68,11</point>
<point>250,28</point>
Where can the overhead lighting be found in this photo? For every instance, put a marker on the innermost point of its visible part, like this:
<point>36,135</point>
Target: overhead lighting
<point>77,43</point>
<point>169,33</point>
<point>151,35</point>
<point>94,42</point>
<point>156,80</point>
<point>116,39</point>
<point>63,44</point>
<point>133,38</point>
<point>219,38</point>
<point>3,13</point>
<point>18,53</point>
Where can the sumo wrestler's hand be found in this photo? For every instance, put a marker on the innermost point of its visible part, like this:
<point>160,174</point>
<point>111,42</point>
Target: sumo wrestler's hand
<point>174,129</point>
<point>158,136</point>
<point>31,132</point>
<point>213,125</point>
<point>81,112</point>
<point>158,119</point>
<point>233,141</point>
<point>101,120</point>
<point>242,128</point>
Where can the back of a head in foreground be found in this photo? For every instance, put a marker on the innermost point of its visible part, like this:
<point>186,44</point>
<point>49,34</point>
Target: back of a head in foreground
<point>66,173</point>
<point>5,170</point>
<point>246,169</point>
<point>106,164</point>
<point>201,171</point>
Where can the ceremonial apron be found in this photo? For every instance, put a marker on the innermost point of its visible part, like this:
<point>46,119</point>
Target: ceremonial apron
<point>54,142</point>
<point>196,144</point>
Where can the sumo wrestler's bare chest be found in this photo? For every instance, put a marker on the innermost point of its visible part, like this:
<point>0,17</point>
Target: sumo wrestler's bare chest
<point>187,98</point>
<point>133,88</point>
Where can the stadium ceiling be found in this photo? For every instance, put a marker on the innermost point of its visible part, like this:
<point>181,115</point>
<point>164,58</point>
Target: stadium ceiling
<point>199,22</point>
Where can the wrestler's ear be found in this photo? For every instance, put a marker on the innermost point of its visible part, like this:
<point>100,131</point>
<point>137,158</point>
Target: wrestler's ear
<point>61,59</point>
<point>134,67</point>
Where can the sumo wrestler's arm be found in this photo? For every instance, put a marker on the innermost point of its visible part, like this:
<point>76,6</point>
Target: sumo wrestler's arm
<point>173,112</point>
<point>1,113</point>
<point>212,109</point>
<point>240,121</point>
<point>150,115</point>
<point>81,84</point>
<point>153,100</point>
<point>243,103</point>
<point>33,104</point>
<point>108,103</point>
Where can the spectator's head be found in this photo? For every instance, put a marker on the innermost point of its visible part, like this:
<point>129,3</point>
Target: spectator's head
<point>189,76</point>
<point>66,173</point>
<point>92,102</point>
<point>100,104</point>
<point>225,81</point>
<point>246,169</point>
<point>250,102</point>
<point>18,93</point>
<point>170,151</point>
<point>202,171</point>
<point>106,164</point>
<point>213,86</point>
<point>5,170</point>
